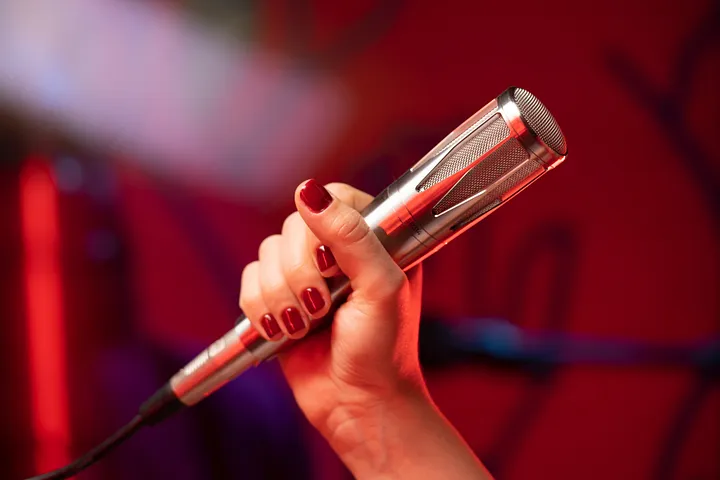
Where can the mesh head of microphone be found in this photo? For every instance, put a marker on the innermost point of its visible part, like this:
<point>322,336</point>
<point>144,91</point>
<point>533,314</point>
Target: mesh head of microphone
<point>506,158</point>
<point>540,120</point>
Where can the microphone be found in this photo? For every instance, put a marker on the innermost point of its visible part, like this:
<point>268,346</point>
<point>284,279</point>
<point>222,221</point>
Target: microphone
<point>504,147</point>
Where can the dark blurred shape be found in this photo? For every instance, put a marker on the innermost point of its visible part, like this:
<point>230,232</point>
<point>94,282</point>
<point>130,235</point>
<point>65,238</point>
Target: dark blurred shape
<point>498,342</point>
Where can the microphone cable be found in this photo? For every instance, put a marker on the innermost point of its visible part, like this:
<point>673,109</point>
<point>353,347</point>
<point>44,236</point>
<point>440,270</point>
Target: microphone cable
<point>96,453</point>
<point>158,407</point>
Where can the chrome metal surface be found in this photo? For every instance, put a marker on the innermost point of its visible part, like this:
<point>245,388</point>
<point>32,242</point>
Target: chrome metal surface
<point>238,350</point>
<point>478,167</point>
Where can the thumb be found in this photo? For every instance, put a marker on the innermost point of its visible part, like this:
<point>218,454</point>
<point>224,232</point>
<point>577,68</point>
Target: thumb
<point>374,276</point>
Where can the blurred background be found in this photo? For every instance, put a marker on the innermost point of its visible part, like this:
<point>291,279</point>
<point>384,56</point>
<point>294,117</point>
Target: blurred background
<point>147,147</point>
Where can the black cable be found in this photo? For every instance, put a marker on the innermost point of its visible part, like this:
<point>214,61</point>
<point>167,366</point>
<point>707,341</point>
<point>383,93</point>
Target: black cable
<point>158,407</point>
<point>96,453</point>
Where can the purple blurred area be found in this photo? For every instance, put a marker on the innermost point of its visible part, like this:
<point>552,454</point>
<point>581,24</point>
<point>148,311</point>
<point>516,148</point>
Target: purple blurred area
<point>574,334</point>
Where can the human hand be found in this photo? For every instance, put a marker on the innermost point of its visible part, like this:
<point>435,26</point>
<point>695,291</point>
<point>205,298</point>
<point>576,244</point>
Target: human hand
<point>369,354</point>
<point>358,382</point>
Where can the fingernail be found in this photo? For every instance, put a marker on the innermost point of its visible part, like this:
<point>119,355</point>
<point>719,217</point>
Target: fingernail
<point>313,300</point>
<point>325,258</point>
<point>293,320</point>
<point>270,325</point>
<point>315,196</point>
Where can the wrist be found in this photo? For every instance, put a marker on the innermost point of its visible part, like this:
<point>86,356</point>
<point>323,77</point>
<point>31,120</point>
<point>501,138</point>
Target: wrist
<point>400,437</point>
<point>371,436</point>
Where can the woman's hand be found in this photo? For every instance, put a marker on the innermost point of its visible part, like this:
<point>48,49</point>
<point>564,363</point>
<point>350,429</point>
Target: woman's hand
<point>359,382</point>
<point>370,352</point>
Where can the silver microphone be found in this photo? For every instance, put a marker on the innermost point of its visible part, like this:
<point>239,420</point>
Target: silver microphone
<point>504,147</point>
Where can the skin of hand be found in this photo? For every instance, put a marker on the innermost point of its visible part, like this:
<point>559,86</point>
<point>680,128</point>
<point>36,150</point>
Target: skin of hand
<point>358,382</point>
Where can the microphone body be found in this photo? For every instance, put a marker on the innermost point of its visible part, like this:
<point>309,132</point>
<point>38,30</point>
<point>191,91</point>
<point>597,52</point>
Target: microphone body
<point>495,154</point>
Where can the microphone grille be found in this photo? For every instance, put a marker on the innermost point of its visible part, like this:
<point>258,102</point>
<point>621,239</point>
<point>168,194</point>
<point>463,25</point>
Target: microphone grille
<point>526,172</point>
<point>475,145</point>
<point>495,166</point>
<point>540,120</point>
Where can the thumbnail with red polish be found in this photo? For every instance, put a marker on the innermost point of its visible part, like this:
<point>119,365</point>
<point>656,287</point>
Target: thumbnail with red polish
<point>270,325</point>
<point>315,196</point>
<point>313,300</point>
<point>293,320</point>
<point>325,258</point>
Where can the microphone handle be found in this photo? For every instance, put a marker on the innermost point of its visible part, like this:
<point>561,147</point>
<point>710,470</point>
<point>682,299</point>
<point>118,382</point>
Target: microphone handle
<point>238,350</point>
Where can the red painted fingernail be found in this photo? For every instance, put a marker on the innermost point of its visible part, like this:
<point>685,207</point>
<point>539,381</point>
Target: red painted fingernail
<point>293,320</point>
<point>313,300</point>
<point>325,258</point>
<point>315,196</point>
<point>270,325</point>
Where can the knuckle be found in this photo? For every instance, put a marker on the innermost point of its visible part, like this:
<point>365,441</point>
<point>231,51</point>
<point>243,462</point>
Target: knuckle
<point>393,283</point>
<point>275,289</point>
<point>249,270</point>
<point>350,228</point>
<point>249,294</point>
<point>290,221</point>
<point>296,270</point>
<point>267,245</point>
<point>247,303</point>
<point>396,280</point>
